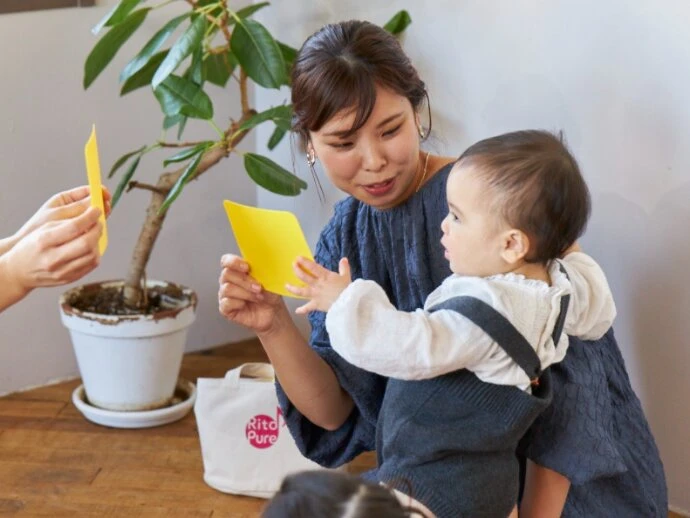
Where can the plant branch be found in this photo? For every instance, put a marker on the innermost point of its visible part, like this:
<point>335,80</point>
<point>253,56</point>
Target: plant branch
<point>178,144</point>
<point>224,21</point>
<point>219,50</point>
<point>144,186</point>
<point>133,294</point>
<point>244,94</point>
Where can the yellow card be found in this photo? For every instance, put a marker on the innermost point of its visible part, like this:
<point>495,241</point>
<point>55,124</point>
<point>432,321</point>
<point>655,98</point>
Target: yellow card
<point>93,172</point>
<point>270,241</point>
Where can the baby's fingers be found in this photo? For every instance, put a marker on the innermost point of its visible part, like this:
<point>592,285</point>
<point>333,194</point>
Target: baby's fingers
<point>300,291</point>
<point>306,308</point>
<point>303,275</point>
<point>310,267</point>
<point>344,268</point>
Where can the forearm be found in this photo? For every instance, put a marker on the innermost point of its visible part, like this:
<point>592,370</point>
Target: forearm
<point>309,382</point>
<point>11,291</point>
<point>370,333</point>
<point>7,244</point>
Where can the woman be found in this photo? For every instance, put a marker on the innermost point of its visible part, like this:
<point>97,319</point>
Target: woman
<point>357,101</point>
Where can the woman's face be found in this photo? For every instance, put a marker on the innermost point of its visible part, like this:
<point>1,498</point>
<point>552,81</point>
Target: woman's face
<point>378,163</point>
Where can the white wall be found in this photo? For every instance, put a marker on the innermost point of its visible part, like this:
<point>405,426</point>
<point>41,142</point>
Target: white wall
<point>46,119</point>
<point>614,76</point>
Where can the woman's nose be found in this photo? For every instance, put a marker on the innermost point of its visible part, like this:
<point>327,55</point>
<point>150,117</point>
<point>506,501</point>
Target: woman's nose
<point>373,158</point>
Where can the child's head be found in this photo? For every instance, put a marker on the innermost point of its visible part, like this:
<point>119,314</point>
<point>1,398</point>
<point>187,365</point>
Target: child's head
<point>331,494</point>
<point>513,199</point>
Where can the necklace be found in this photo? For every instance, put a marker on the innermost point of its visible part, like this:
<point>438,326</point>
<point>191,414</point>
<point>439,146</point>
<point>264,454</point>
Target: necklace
<point>426,163</point>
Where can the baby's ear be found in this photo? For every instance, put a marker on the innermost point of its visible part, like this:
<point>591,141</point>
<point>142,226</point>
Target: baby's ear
<point>515,246</point>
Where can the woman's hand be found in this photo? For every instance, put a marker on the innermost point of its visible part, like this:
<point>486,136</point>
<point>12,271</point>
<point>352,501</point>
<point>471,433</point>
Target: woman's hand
<point>55,253</point>
<point>243,301</point>
<point>64,205</point>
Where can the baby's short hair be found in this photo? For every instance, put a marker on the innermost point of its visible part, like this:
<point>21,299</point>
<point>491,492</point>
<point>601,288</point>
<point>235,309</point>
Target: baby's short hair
<point>535,185</point>
<point>334,494</point>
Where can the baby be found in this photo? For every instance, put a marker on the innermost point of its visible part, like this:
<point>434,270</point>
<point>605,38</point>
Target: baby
<point>332,494</point>
<point>517,203</point>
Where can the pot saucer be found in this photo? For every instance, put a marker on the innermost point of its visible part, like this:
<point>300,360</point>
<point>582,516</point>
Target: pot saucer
<point>182,403</point>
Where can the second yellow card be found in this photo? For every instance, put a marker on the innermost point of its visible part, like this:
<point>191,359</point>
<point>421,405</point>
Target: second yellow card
<point>93,173</point>
<point>270,241</point>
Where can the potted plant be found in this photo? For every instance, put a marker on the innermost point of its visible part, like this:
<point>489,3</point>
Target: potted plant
<point>135,366</point>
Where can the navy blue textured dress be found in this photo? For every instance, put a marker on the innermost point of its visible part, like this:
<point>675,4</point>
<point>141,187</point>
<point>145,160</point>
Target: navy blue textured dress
<point>594,433</point>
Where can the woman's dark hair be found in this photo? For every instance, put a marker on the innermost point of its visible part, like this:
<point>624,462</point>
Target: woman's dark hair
<point>535,184</point>
<point>331,494</point>
<point>339,67</point>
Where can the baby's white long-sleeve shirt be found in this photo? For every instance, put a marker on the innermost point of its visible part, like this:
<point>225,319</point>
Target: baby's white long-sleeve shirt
<point>369,332</point>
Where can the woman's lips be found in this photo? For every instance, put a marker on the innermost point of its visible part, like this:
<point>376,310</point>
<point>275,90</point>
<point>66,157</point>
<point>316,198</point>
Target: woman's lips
<point>380,188</point>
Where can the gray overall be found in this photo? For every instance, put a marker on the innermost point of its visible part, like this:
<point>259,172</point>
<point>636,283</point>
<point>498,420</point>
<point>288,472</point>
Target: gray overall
<point>450,441</point>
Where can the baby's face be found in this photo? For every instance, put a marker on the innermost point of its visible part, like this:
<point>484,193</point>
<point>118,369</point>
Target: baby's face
<point>472,235</point>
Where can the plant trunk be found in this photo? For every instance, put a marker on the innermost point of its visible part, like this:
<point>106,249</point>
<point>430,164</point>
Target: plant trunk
<point>134,281</point>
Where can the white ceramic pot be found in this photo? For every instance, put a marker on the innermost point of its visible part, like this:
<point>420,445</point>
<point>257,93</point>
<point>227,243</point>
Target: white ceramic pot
<point>129,363</point>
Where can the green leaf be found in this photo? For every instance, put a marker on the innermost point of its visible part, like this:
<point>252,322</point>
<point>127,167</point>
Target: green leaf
<point>188,42</point>
<point>289,54</point>
<point>183,123</point>
<point>120,161</point>
<point>218,67</point>
<point>116,15</point>
<point>398,23</point>
<point>151,47</point>
<point>125,180</point>
<point>216,12</point>
<point>259,54</point>
<point>178,95</point>
<point>269,175</point>
<point>143,77</point>
<point>181,182</point>
<point>276,137</point>
<point>188,153</point>
<point>172,120</point>
<point>106,48</point>
<point>280,115</point>
<point>246,12</point>
<point>195,72</point>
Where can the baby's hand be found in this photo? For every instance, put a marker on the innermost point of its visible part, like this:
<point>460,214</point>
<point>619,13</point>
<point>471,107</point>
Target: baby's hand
<point>323,286</point>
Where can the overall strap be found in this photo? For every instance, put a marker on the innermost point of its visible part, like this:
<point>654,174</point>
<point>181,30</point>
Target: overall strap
<point>499,329</point>
<point>560,321</point>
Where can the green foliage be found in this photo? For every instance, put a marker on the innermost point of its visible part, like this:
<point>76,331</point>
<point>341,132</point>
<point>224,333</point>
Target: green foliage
<point>398,23</point>
<point>210,43</point>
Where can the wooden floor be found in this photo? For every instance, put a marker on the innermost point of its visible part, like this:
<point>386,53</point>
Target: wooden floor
<point>55,463</point>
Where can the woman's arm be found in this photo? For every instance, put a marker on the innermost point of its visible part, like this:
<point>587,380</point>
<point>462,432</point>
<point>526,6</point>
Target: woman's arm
<point>308,381</point>
<point>58,252</point>
<point>7,244</point>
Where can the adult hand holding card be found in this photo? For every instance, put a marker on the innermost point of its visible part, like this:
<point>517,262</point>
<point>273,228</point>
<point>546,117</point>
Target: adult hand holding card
<point>270,241</point>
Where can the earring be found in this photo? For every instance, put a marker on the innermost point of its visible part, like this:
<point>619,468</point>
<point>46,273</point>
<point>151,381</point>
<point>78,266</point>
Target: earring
<point>311,157</point>
<point>422,133</point>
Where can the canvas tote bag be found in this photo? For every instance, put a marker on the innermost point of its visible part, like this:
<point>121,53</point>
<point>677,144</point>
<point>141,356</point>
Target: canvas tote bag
<point>245,444</point>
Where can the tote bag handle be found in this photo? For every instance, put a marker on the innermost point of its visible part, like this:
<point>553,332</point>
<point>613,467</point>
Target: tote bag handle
<point>256,371</point>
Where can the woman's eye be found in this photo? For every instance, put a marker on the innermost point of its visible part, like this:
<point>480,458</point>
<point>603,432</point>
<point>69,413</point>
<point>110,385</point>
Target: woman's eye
<point>341,145</point>
<point>453,217</point>
<point>392,131</point>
